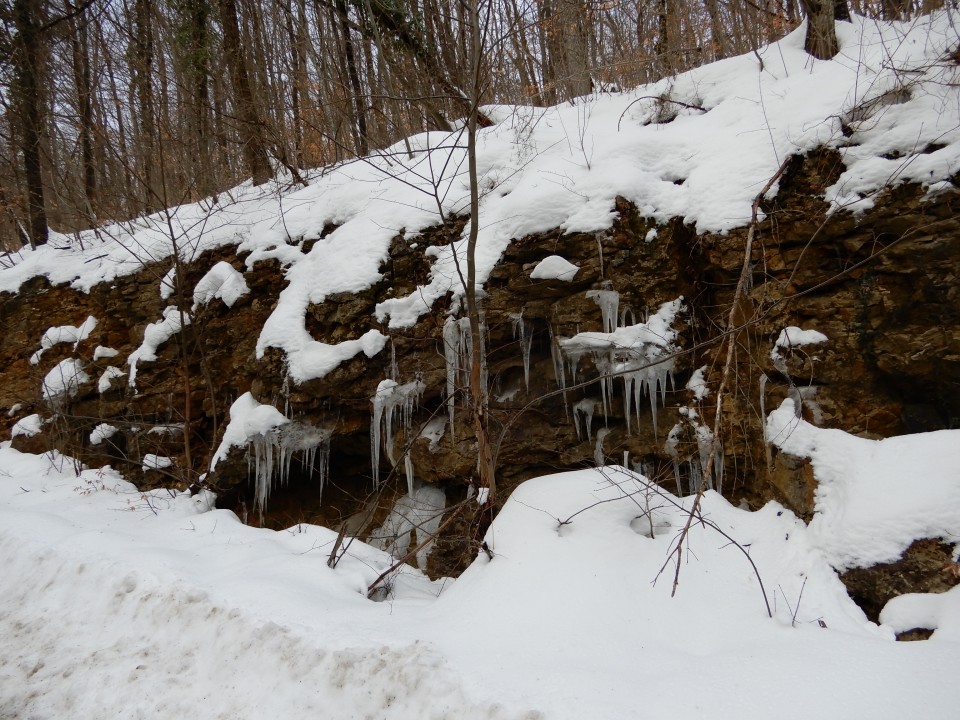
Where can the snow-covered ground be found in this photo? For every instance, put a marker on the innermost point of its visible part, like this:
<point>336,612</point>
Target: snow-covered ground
<point>117,603</point>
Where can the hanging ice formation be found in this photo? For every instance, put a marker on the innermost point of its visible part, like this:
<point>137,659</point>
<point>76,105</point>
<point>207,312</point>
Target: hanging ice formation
<point>457,353</point>
<point>609,301</point>
<point>689,430</point>
<point>387,400</point>
<point>556,354</point>
<point>273,452</point>
<point>584,410</point>
<point>638,353</point>
<point>598,458</point>
<point>525,330</point>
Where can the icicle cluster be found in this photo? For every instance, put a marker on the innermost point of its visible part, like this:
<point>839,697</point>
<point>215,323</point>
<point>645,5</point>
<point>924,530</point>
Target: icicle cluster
<point>689,430</point>
<point>273,452</point>
<point>457,353</point>
<point>392,404</point>
<point>637,353</point>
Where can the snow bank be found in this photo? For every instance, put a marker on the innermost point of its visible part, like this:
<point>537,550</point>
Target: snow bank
<point>874,497</point>
<point>108,590</point>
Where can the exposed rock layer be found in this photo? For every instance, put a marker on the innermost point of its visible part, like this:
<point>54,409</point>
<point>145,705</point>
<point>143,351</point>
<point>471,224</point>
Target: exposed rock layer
<point>882,287</point>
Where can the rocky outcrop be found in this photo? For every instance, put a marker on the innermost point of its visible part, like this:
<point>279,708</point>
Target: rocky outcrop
<point>881,286</point>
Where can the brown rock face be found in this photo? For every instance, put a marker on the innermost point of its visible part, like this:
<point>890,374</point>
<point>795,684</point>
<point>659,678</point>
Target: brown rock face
<point>882,287</point>
<point>925,567</point>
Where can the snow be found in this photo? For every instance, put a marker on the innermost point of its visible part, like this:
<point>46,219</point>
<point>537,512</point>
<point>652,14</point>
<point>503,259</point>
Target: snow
<point>103,431</point>
<point>248,418</point>
<point>101,352</point>
<point>562,167</point>
<point>156,462</point>
<point>554,267</point>
<point>108,590</point>
<point>791,337</point>
<point>697,383</point>
<point>27,426</point>
<point>64,334</point>
<point>107,377</point>
<point>221,281</point>
<point>874,497</point>
<point>155,335</point>
<point>64,380</point>
<point>932,611</point>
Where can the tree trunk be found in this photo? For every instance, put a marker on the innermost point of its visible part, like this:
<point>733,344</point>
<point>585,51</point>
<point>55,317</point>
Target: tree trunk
<point>80,47</point>
<point>250,128</point>
<point>821,39</point>
<point>360,116</point>
<point>143,90</point>
<point>28,100</point>
<point>478,393</point>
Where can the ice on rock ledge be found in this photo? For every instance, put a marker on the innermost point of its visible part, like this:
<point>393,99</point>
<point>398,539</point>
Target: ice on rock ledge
<point>274,439</point>
<point>414,518</point>
<point>389,397</point>
<point>641,354</point>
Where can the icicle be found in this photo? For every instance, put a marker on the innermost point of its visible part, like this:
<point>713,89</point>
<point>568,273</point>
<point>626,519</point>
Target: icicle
<point>586,408</point>
<point>408,468</point>
<point>626,459</point>
<point>627,397</point>
<point>394,372</point>
<point>558,371</point>
<point>598,458</point>
<point>389,401</point>
<point>609,301</point>
<point>278,446</point>
<point>623,316</point>
<point>451,353</point>
<point>763,422</point>
<point>380,401</point>
<point>524,329</point>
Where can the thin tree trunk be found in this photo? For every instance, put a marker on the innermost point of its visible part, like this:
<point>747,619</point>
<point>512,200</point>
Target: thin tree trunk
<point>251,130</point>
<point>28,99</point>
<point>80,47</point>
<point>477,390</point>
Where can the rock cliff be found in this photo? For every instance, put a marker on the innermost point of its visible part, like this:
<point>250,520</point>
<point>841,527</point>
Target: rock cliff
<point>881,286</point>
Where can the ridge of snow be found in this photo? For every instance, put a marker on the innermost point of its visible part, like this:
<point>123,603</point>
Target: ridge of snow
<point>874,497</point>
